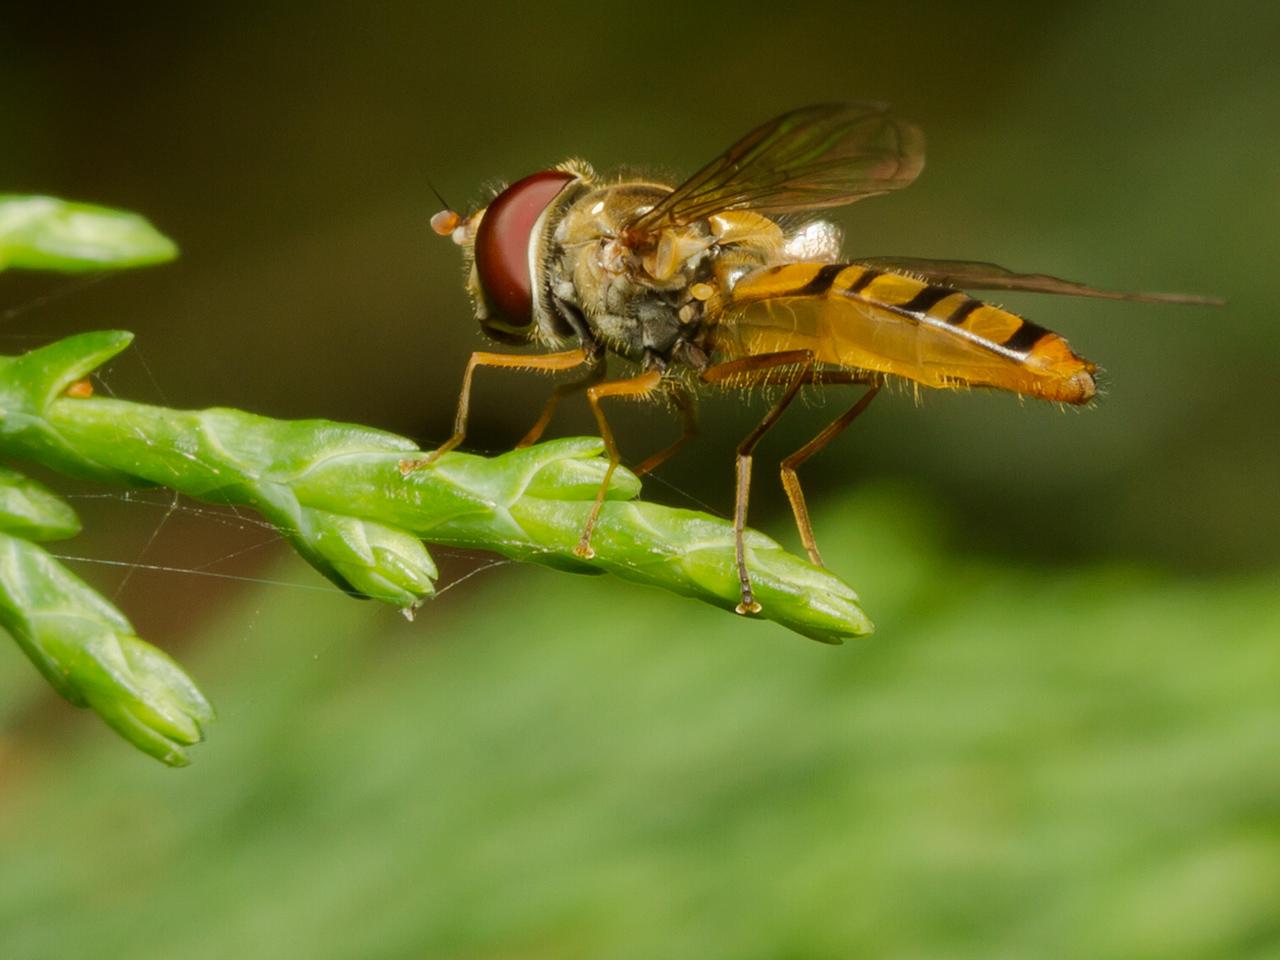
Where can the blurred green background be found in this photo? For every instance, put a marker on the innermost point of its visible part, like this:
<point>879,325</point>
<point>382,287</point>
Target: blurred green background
<point>1062,740</point>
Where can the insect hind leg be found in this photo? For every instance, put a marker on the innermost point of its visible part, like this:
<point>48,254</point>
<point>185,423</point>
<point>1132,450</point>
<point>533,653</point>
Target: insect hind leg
<point>791,482</point>
<point>745,371</point>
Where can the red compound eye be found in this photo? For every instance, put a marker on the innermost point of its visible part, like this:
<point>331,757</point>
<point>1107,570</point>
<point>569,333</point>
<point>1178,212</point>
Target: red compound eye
<point>503,240</point>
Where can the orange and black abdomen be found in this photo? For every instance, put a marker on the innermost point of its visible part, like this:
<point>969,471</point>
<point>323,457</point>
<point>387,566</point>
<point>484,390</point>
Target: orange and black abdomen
<point>853,316</point>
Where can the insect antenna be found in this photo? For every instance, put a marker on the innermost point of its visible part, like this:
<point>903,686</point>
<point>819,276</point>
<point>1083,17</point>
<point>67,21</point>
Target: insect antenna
<point>443,202</point>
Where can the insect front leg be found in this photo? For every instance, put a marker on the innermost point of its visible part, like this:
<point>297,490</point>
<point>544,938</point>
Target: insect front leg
<point>543,363</point>
<point>750,370</point>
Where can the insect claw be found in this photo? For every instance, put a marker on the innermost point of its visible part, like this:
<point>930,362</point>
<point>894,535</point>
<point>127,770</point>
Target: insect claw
<point>748,607</point>
<point>409,466</point>
<point>585,551</point>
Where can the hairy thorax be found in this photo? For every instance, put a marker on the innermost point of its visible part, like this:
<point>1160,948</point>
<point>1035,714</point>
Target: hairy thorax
<point>652,298</point>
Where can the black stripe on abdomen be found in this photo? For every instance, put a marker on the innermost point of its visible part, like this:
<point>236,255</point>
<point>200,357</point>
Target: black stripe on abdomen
<point>822,280</point>
<point>961,313</point>
<point>926,300</point>
<point>864,280</point>
<point>1025,337</point>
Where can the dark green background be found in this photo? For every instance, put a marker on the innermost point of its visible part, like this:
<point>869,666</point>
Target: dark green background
<point>1061,742</point>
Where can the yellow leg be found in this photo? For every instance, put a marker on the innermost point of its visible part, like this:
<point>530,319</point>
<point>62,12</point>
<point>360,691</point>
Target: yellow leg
<point>750,370</point>
<point>563,390</point>
<point>635,388</point>
<point>689,419</point>
<point>541,363</point>
<point>791,483</point>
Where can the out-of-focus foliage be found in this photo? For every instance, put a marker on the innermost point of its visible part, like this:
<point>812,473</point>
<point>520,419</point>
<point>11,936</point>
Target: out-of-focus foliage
<point>29,510</point>
<point>48,233</point>
<point>1037,763</point>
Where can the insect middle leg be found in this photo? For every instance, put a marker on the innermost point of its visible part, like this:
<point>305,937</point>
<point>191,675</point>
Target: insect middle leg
<point>751,370</point>
<point>636,388</point>
<point>541,363</point>
<point>593,376</point>
<point>689,429</point>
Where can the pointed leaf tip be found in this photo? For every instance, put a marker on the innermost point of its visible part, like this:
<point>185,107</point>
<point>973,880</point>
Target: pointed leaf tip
<point>48,233</point>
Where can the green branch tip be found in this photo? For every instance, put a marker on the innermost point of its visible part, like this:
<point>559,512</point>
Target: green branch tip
<point>46,233</point>
<point>30,511</point>
<point>88,651</point>
<point>336,493</point>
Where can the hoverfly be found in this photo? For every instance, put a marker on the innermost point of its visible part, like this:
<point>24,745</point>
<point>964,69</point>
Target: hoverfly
<point>729,279</point>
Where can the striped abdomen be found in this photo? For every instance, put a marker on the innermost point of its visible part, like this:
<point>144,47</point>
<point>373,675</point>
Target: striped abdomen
<point>859,317</point>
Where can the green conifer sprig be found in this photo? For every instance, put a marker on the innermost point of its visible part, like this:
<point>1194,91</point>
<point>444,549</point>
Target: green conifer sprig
<point>334,491</point>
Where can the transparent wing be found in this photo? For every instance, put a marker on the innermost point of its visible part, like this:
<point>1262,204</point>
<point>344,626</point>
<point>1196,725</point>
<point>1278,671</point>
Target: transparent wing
<point>808,159</point>
<point>977,275</point>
